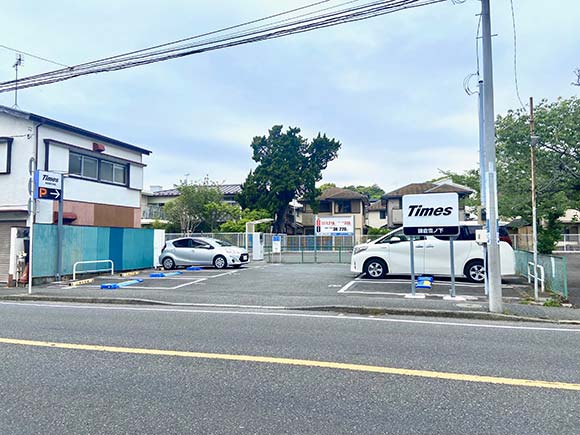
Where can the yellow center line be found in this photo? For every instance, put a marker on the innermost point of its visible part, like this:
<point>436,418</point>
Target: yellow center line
<point>304,363</point>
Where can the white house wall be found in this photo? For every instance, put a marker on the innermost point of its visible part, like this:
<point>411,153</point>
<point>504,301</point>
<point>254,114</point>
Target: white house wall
<point>86,143</point>
<point>14,186</point>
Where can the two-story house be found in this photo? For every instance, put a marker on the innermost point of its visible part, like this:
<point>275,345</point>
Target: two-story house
<point>393,201</point>
<point>377,215</point>
<point>336,201</point>
<point>103,177</point>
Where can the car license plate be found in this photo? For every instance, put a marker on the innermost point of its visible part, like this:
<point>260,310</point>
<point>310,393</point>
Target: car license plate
<point>244,257</point>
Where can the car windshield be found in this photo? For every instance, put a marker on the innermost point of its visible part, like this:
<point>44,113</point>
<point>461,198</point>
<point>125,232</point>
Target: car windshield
<point>221,242</point>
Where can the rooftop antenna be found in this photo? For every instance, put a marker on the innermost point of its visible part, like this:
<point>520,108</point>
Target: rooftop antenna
<point>16,66</point>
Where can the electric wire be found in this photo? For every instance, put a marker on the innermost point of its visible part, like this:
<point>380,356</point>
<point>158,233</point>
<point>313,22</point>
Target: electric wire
<point>127,57</point>
<point>145,56</point>
<point>516,56</point>
<point>33,56</point>
<point>320,24</point>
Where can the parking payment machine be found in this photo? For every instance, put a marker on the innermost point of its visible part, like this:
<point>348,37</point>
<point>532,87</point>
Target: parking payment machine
<point>257,246</point>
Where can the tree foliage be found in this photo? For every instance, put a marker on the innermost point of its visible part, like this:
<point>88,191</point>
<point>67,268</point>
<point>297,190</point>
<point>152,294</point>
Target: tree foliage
<point>557,166</point>
<point>193,205</point>
<point>371,192</point>
<point>288,167</point>
<point>325,186</point>
<point>239,225</point>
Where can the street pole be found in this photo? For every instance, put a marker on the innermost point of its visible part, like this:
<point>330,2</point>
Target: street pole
<point>60,230</point>
<point>482,188</point>
<point>493,260</point>
<point>533,143</point>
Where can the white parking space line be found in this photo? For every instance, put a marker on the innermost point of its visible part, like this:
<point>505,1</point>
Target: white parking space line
<point>346,287</point>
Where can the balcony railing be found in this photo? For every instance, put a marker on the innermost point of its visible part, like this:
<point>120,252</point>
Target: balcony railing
<point>150,212</point>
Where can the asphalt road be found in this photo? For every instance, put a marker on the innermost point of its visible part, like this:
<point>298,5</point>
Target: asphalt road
<point>138,370</point>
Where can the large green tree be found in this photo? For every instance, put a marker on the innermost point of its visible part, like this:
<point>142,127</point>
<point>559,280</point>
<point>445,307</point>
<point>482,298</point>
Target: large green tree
<point>288,167</point>
<point>196,203</point>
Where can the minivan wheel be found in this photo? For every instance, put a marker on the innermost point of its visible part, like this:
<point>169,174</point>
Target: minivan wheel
<point>168,263</point>
<point>220,262</point>
<point>375,268</point>
<point>475,271</point>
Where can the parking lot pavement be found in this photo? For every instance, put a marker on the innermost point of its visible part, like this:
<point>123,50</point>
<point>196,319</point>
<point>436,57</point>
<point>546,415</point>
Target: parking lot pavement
<point>264,284</point>
<point>440,288</point>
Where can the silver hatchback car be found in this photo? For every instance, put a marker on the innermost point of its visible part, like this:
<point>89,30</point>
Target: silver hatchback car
<point>202,251</point>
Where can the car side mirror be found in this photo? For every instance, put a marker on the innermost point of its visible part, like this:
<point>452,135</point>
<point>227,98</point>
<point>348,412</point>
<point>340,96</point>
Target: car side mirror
<point>395,240</point>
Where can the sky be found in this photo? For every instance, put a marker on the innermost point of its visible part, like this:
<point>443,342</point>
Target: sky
<point>390,89</point>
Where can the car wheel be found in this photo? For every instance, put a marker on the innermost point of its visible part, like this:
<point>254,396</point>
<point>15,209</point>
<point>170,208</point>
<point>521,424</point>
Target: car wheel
<point>475,271</point>
<point>375,268</point>
<point>220,262</point>
<point>168,263</point>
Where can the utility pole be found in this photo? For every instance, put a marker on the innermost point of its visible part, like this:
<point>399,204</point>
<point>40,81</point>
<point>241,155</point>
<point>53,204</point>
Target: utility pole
<point>533,143</point>
<point>483,190</point>
<point>16,66</point>
<point>493,260</point>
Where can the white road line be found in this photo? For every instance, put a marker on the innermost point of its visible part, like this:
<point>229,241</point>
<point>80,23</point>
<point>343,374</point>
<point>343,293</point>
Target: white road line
<point>346,287</point>
<point>188,283</point>
<point>297,315</point>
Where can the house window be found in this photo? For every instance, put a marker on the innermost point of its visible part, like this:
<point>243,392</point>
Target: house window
<point>324,207</point>
<point>113,172</point>
<point>343,206</point>
<point>97,169</point>
<point>382,214</point>
<point>5,154</point>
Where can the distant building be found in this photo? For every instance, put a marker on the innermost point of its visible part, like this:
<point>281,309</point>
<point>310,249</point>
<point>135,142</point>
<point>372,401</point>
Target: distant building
<point>377,215</point>
<point>336,202</point>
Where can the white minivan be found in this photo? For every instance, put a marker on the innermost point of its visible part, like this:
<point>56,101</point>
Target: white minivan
<point>390,254</point>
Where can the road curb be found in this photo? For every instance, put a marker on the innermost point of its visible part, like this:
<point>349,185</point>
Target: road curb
<point>459,314</point>
<point>368,311</point>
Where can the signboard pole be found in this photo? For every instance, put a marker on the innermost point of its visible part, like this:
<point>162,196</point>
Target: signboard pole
<point>60,231</point>
<point>32,202</point>
<point>412,247</point>
<point>452,255</point>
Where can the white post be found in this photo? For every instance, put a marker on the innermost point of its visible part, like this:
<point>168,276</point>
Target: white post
<point>533,143</point>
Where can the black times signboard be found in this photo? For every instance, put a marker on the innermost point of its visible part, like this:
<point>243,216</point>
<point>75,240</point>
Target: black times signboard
<point>431,231</point>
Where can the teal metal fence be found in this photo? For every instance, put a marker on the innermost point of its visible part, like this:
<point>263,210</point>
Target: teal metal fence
<point>128,248</point>
<point>554,270</point>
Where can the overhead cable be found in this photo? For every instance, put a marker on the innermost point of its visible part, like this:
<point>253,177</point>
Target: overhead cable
<point>176,49</point>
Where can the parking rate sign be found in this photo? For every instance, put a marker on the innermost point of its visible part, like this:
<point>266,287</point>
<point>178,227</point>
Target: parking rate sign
<point>435,214</point>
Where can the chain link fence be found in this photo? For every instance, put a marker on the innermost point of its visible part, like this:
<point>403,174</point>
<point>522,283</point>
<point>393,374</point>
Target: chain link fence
<point>294,248</point>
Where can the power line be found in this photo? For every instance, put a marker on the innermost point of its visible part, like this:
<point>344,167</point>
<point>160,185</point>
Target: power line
<point>300,25</point>
<point>33,56</point>
<point>516,56</point>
